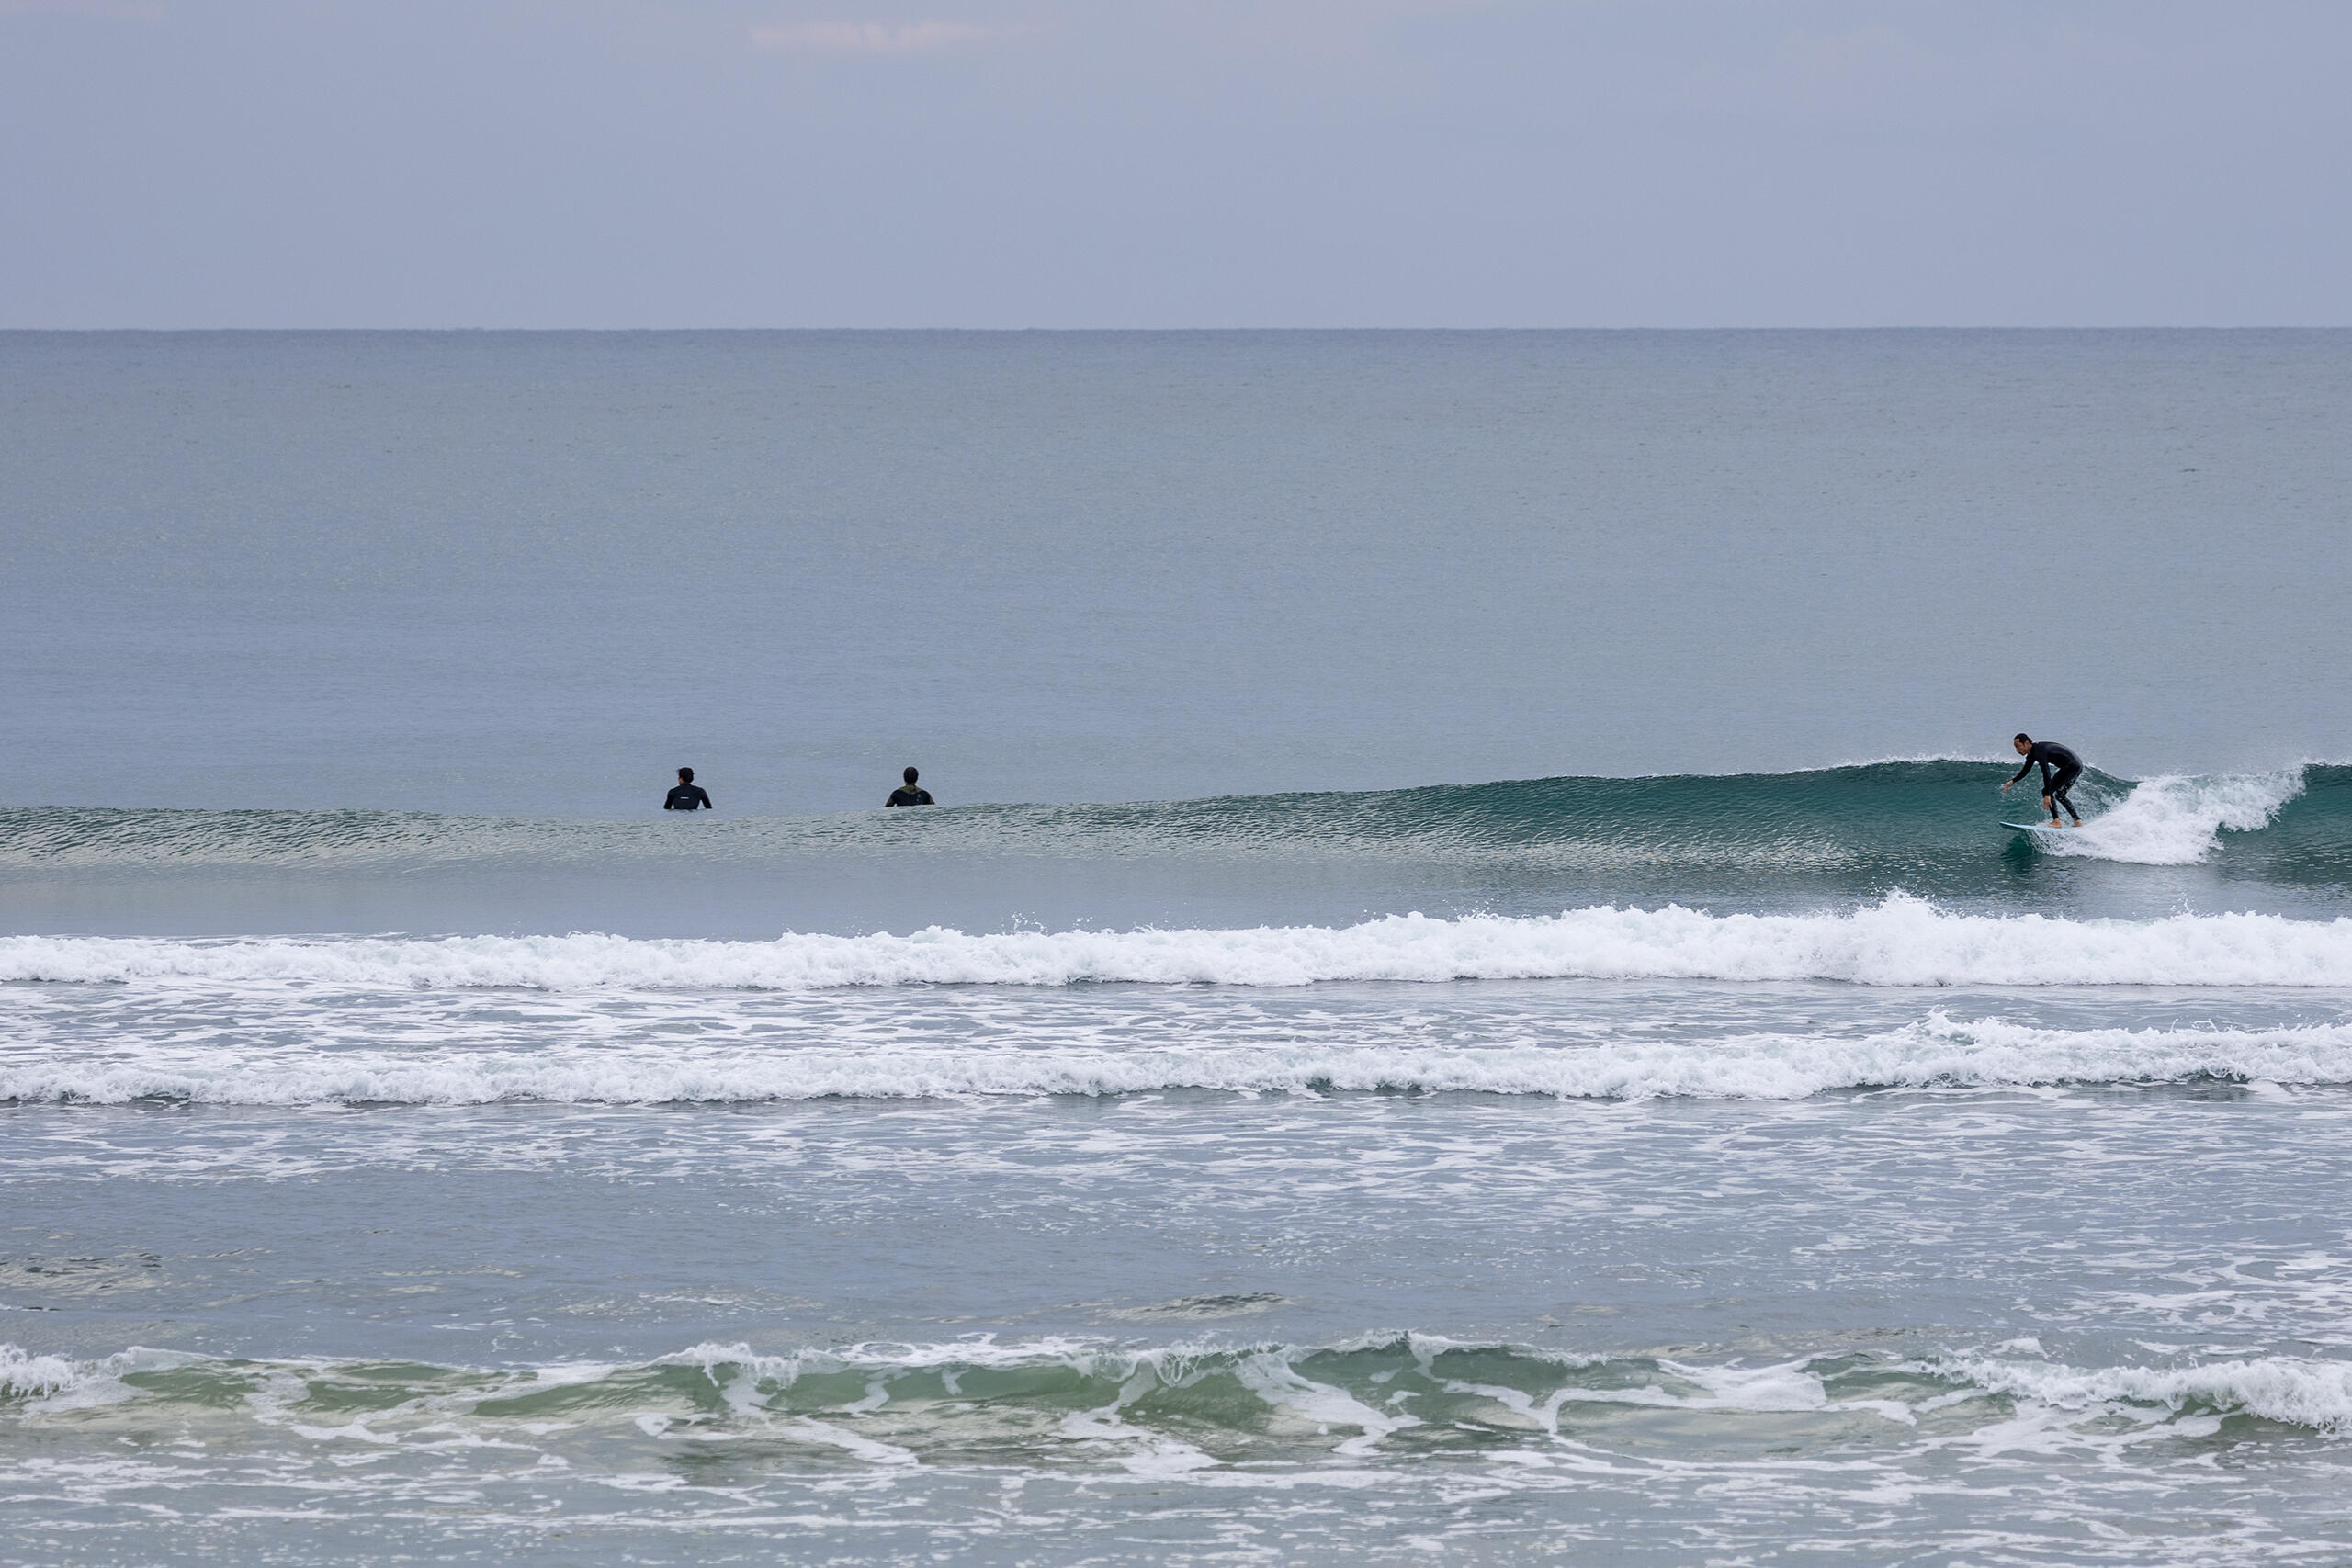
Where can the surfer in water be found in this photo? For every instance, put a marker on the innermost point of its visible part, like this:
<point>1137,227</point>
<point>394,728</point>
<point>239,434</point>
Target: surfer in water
<point>909,794</point>
<point>688,795</point>
<point>2060,769</point>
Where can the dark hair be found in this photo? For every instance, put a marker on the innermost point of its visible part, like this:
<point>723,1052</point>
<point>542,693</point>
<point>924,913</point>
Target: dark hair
<point>911,775</point>
<point>2024,739</point>
<point>685,775</point>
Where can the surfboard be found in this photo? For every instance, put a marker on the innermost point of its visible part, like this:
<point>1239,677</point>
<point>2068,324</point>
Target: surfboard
<point>2036,827</point>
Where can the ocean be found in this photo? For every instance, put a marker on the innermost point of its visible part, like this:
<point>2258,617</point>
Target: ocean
<point>1468,999</point>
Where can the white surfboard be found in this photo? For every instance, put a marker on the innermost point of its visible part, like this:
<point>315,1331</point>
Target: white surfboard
<point>2036,827</point>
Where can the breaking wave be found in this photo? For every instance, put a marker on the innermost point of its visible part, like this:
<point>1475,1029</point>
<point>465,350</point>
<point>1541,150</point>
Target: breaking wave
<point>1897,942</point>
<point>1935,1052</point>
<point>1171,1409</point>
<point>2177,821</point>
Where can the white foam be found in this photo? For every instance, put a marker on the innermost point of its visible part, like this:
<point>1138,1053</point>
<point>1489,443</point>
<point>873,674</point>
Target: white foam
<point>2176,821</point>
<point>24,1375</point>
<point>55,1384</point>
<point>1899,941</point>
<point>1935,1052</point>
<point>2278,1388</point>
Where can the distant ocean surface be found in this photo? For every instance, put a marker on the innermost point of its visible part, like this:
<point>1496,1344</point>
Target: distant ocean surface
<point>1468,999</point>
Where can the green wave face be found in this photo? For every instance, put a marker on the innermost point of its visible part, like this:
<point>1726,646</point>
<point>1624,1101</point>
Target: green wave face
<point>1930,828</point>
<point>2309,841</point>
<point>1394,1399</point>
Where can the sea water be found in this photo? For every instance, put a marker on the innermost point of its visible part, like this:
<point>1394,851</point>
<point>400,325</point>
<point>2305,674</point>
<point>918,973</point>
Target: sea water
<point>1468,1002</point>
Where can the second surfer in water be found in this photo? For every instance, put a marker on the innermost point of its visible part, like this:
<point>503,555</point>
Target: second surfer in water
<point>2060,769</point>
<point>687,795</point>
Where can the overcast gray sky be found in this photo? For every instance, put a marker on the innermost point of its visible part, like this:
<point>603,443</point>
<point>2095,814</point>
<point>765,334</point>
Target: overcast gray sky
<point>1173,163</point>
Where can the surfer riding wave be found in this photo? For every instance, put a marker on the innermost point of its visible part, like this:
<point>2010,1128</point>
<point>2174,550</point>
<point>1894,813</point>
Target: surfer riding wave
<point>2060,769</point>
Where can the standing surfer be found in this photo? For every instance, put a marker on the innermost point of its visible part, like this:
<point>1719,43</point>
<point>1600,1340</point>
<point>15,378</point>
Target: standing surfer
<point>2060,769</point>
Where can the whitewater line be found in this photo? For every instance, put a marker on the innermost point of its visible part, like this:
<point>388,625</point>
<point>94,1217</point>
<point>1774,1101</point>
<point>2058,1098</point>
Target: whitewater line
<point>1934,1053</point>
<point>1899,941</point>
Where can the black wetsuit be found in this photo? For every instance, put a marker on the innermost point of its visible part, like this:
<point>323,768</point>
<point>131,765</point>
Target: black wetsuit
<point>688,797</point>
<point>2060,769</point>
<point>907,794</point>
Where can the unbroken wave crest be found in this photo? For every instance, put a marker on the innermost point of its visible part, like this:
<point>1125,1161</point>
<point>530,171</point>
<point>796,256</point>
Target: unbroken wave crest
<point>1878,817</point>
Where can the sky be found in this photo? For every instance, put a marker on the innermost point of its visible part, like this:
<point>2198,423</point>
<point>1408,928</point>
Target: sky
<point>996,164</point>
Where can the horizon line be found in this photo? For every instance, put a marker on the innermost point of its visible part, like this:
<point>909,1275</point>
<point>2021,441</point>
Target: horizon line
<point>1169,331</point>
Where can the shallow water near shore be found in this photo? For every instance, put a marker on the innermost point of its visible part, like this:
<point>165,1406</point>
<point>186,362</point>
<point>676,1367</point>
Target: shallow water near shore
<point>1086,1323</point>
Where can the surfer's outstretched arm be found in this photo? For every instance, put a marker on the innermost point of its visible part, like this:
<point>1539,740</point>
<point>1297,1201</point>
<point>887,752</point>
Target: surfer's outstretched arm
<point>2024,744</point>
<point>2044,754</point>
